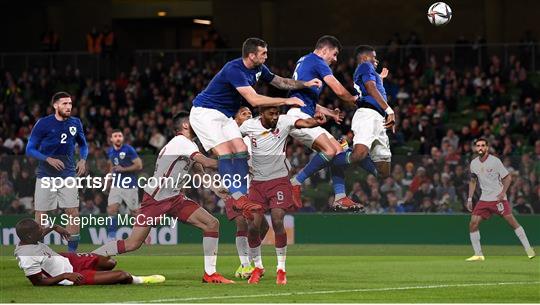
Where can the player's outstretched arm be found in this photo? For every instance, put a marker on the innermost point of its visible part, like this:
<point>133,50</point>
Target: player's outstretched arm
<point>205,161</point>
<point>339,90</point>
<point>257,100</point>
<point>292,84</point>
<point>41,280</point>
<point>335,114</point>
<point>317,120</point>
<point>374,92</point>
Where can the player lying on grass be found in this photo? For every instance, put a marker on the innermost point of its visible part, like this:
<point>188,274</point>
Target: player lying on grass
<point>44,267</point>
<point>271,189</point>
<point>494,181</point>
<point>176,159</point>
<point>242,246</point>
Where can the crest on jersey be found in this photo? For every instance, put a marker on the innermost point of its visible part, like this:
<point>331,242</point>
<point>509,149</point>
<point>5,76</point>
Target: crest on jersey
<point>257,76</point>
<point>72,130</point>
<point>122,155</point>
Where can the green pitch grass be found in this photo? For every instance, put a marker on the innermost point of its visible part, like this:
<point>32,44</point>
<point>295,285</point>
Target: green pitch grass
<point>316,274</point>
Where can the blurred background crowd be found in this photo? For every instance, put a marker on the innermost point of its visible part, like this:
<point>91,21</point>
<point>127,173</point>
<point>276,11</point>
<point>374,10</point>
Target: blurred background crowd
<point>443,100</point>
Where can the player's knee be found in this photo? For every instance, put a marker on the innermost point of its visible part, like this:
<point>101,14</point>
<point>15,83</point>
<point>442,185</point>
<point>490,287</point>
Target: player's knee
<point>473,226</point>
<point>111,263</point>
<point>124,277</point>
<point>330,151</point>
<point>212,225</point>
<point>358,154</point>
<point>74,212</point>
<point>278,226</point>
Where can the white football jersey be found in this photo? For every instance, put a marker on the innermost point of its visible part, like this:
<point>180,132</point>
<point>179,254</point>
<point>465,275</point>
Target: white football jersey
<point>173,165</point>
<point>490,174</point>
<point>37,258</point>
<point>268,147</point>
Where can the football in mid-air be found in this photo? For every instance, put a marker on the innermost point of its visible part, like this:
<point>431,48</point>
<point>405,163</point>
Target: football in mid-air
<point>439,13</point>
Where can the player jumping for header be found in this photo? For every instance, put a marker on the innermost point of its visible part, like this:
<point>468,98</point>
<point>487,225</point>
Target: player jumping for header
<point>176,159</point>
<point>271,188</point>
<point>44,267</point>
<point>52,142</point>
<point>494,181</point>
<point>317,65</point>
<point>213,109</point>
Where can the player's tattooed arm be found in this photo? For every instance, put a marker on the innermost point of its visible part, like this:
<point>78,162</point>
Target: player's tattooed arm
<point>472,188</point>
<point>205,161</point>
<point>291,84</point>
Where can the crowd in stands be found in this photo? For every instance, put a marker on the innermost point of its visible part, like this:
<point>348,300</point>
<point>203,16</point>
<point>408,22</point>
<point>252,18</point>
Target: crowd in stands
<point>441,106</point>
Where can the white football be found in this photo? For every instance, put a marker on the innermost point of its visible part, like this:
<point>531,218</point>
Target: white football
<point>439,13</point>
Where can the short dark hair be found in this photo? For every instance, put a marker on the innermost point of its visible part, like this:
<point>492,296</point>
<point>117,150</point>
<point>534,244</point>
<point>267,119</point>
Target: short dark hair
<point>480,140</point>
<point>251,45</point>
<point>363,49</point>
<point>328,41</point>
<point>59,95</point>
<point>179,119</point>
<point>116,130</point>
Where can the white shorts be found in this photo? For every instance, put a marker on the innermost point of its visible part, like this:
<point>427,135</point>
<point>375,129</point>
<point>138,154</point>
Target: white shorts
<point>368,129</point>
<point>306,135</point>
<point>213,127</point>
<point>129,196</point>
<point>45,199</point>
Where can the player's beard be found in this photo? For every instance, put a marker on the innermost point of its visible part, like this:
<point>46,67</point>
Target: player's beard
<point>64,114</point>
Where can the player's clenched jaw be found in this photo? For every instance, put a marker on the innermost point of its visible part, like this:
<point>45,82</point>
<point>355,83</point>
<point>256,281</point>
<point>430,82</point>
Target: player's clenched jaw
<point>269,116</point>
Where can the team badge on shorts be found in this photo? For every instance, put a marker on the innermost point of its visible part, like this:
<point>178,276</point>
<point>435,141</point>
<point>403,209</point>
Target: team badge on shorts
<point>72,130</point>
<point>500,207</point>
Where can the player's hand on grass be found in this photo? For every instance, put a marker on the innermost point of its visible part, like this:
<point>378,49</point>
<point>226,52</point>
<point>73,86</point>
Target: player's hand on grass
<point>384,73</point>
<point>390,122</point>
<point>75,277</point>
<point>294,101</point>
<point>81,167</point>
<point>57,164</point>
<point>62,231</point>
<point>320,118</point>
<point>313,83</point>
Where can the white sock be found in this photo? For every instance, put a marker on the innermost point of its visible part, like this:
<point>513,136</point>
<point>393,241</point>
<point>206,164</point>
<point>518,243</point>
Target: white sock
<point>137,279</point>
<point>520,233</point>
<point>210,248</point>
<point>294,181</point>
<point>281,254</point>
<point>242,247</point>
<point>475,241</point>
<point>255,253</point>
<point>339,196</point>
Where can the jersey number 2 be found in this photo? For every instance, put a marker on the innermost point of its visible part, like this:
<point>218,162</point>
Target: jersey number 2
<point>63,138</point>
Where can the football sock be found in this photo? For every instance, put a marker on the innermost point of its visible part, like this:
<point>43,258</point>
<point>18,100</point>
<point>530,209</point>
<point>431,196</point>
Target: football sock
<point>318,162</point>
<point>369,166</point>
<point>73,242</point>
<point>210,248</point>
<point>112,227</point>
<point>520,233</point>
<point>255,252</point>
<point>241,168</point>
<point>226,171</point>
<point>343,158</point>
<point>338,181</point>
<point>475,241</point>
<point>281,250</point>
<point>242,247</point>
<point>111,248</point>
<point>137,279</point>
